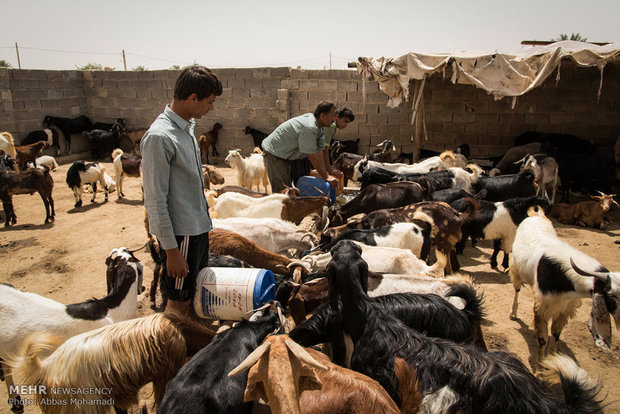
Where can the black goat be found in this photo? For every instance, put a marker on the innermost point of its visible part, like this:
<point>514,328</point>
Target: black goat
<point>557,142</point>
<point>107,126</point>
<point>587,173</point>
<point>68,126</point>
<point>48,135</point>
<point>503,187</point>
<point>257,136</point>
<point>202,384</point>
<point>426,313</point>
<point>102,143</point>
<point>452,194</point>
<point>337,147</point>
<point>452,377</point>
<point>439,180</point>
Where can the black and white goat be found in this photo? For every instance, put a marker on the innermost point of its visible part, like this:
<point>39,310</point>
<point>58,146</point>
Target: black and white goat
<point>560,276</point>
<point>452,377</point>
<point>496,221</point>
<point>68,126</point>
<point>80,173</point>
<point>22,313</point>
<point>49,135</point>
<point>202,385</point>
<point>426,313</point>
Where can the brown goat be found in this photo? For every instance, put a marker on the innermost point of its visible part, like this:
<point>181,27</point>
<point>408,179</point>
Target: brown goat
<point>589,213</point>
<point>294,379</point>
<point>26,182</point>
<point>211,176</point>
<point>28,153</point>
<point>232,244</point>
<point>209,139</point>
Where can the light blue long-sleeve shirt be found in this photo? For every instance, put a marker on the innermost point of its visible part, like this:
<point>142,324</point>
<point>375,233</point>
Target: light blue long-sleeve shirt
<point>173,181</point>
<point>295,138</point>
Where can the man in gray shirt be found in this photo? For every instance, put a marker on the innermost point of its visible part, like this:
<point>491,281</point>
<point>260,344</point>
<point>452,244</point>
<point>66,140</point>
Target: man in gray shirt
<point>173,184</point>
<point>296,139</point>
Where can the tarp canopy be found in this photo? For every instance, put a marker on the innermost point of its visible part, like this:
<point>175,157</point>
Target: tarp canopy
<point>500,74</point>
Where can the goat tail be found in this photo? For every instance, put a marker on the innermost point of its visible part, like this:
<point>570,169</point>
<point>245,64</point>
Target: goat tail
<point>408,386</point>
<point>116,153</point>
<point>427,185</point>
<point>26,365</point>
<point>472,208</point>
<point>580,391</point>
<point>474,300</point>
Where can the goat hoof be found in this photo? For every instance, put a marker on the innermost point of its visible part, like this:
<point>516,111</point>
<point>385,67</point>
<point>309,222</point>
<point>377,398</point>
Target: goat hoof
<point>78,204</point>
<point>493,265</point>
<point>16,406</point>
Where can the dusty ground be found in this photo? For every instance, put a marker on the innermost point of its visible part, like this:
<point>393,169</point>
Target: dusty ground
<point>65,261</point>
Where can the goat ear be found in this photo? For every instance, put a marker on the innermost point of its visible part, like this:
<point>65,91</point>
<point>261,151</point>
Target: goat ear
<point>599,323</point>
<point>255,388</point>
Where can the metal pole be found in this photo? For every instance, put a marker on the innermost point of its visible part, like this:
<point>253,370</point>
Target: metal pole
<point>19,63</point>
<point>330,60</point>
<point>124,61</point>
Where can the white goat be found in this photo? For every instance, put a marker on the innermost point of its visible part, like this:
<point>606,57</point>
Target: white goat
<point>250,171</point>
<point>48,161</point>
<point>553,268</point>
<point>273,234</point>
<point>446,159</point>
<point>233,204</point>
<point>545,174</point>
<point>22,313</point>
<point>379,259</point>
<point>7,144</point>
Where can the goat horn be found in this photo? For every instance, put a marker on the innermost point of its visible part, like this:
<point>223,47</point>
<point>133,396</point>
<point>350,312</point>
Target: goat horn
<point>266,305</point>
<point>314,281</point>
<point>598,275</point>
<point>138,249</point>
<point>308,235</point>
<point>281,316</point>
<point>290,282</point>
<point>317,189</point>
<point>297,262</point>
<point>297,275</point>
<point>250,360</point>
<point>303,355</point>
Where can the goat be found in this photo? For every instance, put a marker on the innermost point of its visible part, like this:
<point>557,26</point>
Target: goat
<point>275,235</point>
<point>337,147</point>
<point>114,361</point>
<point>257,136</point>
<point>26,182</point>
<point>426,313</point>
<point>292,380</point>
<point>250,171</point>
<point>450,194</point>
<point>28,153</point>
<point>553,268</point>
<point>545,174</point>
<point>68,126</point>
<point>446,231</point>
<point>280,206</point>
<point>7,163</point>
<point>587,173</point>
<point>48,135</point>
<point>562,142</point>
<point>48,161</point>
<point>447,159</point>
<point>125,165</point>
<point>107,126</point>
<point>211,176</point>
<point>202,385</point>
<point>385,153</point>
<point>22,313</point>
<point>209,140</point>
<point>507,186</point>
<point>379,196</point>
<point>239,189</point>
<point>497,221</point>
<point>135,136</point>
<point>7,144</point>
<point>103,142</point>
<point>452,377</point>
<point>232,244</point>
<point>80,173</point>
<point>345,163</point>
<point>462,149</point>
<point>509,162</point>
<point>586,213</point>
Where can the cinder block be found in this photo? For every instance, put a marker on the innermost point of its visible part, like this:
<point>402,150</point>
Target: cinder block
<point>261,73</point>
<point>299,74</point>
<point>308,85</point>
<point>441,116</point>
<point>328,85</point>
<point>272,83</point>
<point>281,72</point>
<point>376,119</point>
<point>289,83</point>
<point>347,86</point>
<point>357,97</point>
<point>464,117</point>
<point>241,92</point>
<point>560,118</point>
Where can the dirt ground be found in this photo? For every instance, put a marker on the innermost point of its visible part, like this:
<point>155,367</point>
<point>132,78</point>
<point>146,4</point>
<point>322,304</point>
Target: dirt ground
<point>64,261</point>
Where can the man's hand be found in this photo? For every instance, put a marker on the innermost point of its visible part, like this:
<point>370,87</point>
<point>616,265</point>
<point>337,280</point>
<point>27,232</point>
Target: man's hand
<point>336,173</point>
<point>176,265</point>
<point>333,181</point>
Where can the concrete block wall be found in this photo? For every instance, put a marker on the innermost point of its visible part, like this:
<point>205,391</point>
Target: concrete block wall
<point>264,97</point>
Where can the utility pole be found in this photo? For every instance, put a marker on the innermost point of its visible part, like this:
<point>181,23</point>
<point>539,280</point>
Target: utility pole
<point>19,63</point>
<point>124,61</point>
<point>330,60</point>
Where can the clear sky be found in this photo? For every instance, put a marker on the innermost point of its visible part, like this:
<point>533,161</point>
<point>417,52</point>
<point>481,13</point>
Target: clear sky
<point>156,34</point>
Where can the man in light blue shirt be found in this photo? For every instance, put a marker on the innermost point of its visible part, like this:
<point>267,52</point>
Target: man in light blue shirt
<point>173,184</point>
<point>296,139</point>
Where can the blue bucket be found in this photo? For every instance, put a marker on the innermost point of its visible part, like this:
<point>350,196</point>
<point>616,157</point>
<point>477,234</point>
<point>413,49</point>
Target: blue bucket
<point>308,186</point>
<point>228,293</point>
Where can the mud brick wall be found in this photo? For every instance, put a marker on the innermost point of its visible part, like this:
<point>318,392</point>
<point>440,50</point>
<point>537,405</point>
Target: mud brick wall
<point>265,97</point>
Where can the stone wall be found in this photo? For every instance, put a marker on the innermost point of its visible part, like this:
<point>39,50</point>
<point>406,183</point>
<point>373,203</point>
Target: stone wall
<point>265,97</point>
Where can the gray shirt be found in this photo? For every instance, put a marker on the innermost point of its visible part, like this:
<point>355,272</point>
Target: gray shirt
<point>173,182</point>
<point>295,138</point>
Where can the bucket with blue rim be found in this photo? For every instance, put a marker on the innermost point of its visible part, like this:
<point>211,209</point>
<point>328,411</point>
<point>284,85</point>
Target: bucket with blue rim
<point>315,186</point>
<point>228,293</point>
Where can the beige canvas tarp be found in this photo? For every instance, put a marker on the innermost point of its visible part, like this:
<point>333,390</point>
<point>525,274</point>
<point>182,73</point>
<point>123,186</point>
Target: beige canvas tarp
<point>500,74</point>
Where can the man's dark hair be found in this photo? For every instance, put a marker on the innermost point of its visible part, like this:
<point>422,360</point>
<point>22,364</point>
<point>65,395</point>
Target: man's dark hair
<point>199,80</point>
<point>345,112</point>
<point>323,107</point>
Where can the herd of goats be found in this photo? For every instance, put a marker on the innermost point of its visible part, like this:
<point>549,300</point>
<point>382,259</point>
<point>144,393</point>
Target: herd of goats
<point>371,313</point>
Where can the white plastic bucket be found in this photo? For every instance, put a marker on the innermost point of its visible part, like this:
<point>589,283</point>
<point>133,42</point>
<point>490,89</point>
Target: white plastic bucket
<point>228,293</point>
